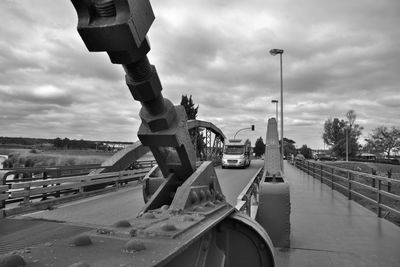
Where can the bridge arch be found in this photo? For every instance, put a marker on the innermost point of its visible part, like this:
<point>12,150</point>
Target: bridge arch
<point>214,139</point>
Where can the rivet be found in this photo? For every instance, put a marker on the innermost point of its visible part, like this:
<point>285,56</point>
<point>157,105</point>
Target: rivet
<point>202,195</point>
<point>194,198</point>
<point>82,240</point>
<point>134,245</point>
<point>123,223</point>
<point>208,194</point>
<point>12,260</point>
<point>168,227</point>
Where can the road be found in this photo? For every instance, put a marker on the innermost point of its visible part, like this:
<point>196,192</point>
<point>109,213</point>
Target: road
<point>104,210</point>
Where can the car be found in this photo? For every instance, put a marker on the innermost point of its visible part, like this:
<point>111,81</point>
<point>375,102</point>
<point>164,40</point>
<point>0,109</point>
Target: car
<point>300,157</point>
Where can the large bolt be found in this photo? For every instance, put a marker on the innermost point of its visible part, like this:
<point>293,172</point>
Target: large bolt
<point>160,121</point>
<point>104,8</point>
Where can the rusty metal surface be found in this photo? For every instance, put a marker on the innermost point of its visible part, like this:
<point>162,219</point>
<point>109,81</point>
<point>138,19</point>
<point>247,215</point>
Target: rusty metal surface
<point>162,236</point>
<point>18,235</point>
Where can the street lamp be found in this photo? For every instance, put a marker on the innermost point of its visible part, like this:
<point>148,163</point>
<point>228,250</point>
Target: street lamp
<point>276,105</point>
<point>351,116</point>
<point>275,52</point>
<point>347,143</point>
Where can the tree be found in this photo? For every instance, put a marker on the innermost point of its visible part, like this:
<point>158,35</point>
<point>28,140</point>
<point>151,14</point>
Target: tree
<point>188,104</point>
<point>195,135</point>
<point>289,148</point>
<point>259,147</point>
<point>384,140</point>
<point>335,132</point>
<point>306,152</point>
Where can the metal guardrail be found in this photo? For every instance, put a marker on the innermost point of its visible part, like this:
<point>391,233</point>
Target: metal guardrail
<point>140,164</point>
<point>41,183</point>
<point>363,185</point>
<point>38,173</point>
<point>247,200</point>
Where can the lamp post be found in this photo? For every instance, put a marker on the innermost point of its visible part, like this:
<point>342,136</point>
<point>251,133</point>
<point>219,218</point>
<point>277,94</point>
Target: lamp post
<point>275,52</point>
<point>351,116</point>
<point>347,144</point>
<point>276,106</point>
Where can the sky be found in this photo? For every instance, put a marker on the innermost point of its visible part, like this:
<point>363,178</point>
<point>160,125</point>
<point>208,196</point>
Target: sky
<point>338,55</point>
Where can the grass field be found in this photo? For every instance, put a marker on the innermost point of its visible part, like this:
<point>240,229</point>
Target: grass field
<point>381,170</point>
<point>39,158</point>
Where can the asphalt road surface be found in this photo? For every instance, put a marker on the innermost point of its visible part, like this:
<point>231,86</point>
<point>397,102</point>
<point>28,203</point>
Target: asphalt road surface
<point>126,203</point>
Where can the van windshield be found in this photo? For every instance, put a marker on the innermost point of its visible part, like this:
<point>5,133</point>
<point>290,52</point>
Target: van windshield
<point>234,150</point>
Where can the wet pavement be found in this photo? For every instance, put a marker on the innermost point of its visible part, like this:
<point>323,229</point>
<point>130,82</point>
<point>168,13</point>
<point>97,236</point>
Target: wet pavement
<point>329,230</point>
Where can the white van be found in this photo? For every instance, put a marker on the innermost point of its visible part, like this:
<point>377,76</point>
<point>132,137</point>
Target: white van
<point>236,153</point>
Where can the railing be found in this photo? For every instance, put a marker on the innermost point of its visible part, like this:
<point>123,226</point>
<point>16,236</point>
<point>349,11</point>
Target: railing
<point>140,164</point>
<point>38,173</point>
<point>379,191</point>
<point>41,183</point>
<point>247,200</point>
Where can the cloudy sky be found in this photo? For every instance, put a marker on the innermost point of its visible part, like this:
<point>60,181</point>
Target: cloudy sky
<point>339,55</point>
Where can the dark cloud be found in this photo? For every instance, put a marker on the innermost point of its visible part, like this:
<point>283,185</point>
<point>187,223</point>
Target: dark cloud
<point>338,56</point>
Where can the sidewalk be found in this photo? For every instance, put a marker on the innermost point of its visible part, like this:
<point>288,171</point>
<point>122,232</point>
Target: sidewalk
<point>329,230</point>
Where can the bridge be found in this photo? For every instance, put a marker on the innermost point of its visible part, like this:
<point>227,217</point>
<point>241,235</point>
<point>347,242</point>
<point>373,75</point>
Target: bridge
<point>327,229</point>
<point>185,210</point>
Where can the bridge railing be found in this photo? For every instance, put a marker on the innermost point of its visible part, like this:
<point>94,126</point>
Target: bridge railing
<point>378,193</point>
<point>37,185</point>
<point>247,200</point>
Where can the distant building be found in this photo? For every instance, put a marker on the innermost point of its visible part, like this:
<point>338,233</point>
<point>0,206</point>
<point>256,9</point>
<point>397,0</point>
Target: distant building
<point>367,156</point>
